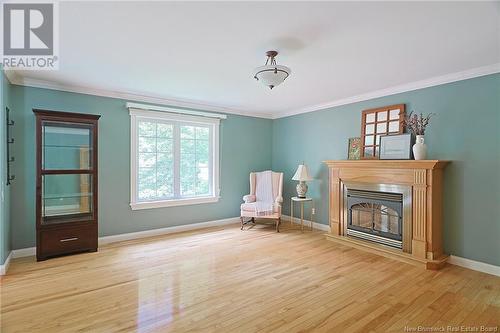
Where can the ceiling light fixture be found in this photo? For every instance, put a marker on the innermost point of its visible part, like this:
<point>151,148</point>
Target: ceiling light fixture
<point>271,75</point>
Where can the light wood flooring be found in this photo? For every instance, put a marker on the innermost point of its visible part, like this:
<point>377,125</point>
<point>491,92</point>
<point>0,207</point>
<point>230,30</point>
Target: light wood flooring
<point>227,280</point>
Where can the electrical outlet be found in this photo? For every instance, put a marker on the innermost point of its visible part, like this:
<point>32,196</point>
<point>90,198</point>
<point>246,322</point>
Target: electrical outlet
<point>314,211</point>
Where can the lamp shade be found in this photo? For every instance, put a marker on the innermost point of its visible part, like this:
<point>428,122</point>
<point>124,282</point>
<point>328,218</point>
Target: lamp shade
<point>272,75</point>
<point>302,174</point>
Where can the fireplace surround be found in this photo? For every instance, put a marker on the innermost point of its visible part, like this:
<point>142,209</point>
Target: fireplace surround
<point>378,188</point>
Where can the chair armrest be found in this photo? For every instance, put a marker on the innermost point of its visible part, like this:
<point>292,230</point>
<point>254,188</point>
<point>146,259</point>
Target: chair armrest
<point>278,200</point>
<point>249,198</point>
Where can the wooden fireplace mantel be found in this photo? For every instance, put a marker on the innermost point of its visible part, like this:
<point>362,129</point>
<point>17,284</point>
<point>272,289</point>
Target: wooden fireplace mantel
<point>424,178</point>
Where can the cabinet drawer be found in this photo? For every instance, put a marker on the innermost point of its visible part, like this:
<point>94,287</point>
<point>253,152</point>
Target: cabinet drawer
<point>67,240</point>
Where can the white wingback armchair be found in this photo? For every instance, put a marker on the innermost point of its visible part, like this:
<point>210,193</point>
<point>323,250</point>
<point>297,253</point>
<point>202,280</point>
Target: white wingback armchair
<point>249,207</point>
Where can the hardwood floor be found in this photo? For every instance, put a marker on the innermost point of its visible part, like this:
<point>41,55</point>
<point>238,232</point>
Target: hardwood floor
<point>227,280</point>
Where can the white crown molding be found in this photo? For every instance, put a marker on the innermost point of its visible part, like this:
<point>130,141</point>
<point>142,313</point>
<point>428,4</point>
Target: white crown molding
<point>16,79</point>
<point>431,82</point>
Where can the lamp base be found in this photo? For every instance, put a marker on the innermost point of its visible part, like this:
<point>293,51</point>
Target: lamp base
<point>301,189</point>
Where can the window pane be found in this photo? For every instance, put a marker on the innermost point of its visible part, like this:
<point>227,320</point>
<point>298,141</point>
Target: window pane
<point>155,177</point>
<point>187,132</point>
<point>147,160</point>
<point>165,190</point>
<point>202,161</point>
<point>165,130</point>
<point>188,181</point>
<point>165,182</point>
<point>201,148</point>
<point>202,133</point>
<point>165,160</point>
<point>187,146</point>
<point>202,181</point>
<point>164,145</point>
<point>194,162</point>
<point>187,161</point>
<point>147,128</point>
<point>147,183</point>
<point>147,144</point>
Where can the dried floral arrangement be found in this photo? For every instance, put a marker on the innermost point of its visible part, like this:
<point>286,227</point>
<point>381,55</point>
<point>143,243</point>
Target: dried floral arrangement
<point>417,124</point>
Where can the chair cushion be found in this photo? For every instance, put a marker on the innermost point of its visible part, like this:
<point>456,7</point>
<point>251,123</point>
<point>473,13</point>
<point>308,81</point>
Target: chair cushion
<point>250,207</point>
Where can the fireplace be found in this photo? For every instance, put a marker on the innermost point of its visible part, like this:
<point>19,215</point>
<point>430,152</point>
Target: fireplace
<point>379,213</point>
<point>392,208</point>
<point>375,216</point>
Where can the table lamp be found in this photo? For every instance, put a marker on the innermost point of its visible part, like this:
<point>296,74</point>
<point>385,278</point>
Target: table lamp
<point>302,175</point>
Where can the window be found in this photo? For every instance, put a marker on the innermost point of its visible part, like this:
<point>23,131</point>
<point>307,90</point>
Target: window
<point>174,159</point>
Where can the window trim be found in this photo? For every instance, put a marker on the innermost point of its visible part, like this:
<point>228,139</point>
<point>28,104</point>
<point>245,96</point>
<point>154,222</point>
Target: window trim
<point>138,114</point>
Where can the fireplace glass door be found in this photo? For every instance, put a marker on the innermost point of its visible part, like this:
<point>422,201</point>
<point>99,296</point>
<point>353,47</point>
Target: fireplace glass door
<point>376,216</point>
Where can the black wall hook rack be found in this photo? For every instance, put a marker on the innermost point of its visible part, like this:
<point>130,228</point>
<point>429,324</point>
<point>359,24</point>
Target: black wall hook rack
<point>10,141</point>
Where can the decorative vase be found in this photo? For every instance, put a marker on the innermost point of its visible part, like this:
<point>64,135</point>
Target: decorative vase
<point>301,189</point>
<point>420,148</point>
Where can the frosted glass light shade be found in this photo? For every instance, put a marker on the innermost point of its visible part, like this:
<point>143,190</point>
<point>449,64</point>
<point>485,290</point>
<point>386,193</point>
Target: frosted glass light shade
<point>272,75</point>
<point>302,174</point>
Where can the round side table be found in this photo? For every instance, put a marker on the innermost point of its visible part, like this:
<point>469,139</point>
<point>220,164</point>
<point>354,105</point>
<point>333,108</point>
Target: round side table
<point>302,201</point>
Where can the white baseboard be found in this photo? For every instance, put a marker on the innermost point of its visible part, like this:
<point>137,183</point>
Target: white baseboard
<point>31,251</point>
<point>168,230</point>
<point>474,265</point>
<point>26,252</point>
<point>5,266</point>
<point>317,226</point>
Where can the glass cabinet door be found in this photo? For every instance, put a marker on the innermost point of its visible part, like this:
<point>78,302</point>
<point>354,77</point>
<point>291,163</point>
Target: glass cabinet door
<point>66,198</point>
<point>66,183</point>
<point>66,146</point>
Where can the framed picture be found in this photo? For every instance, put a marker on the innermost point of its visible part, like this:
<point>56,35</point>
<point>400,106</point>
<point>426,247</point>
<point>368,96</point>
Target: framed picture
<point>354,149</point>
<point>395,147</point>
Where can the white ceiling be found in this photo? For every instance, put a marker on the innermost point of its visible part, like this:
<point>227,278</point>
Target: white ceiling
<point>204,52</point>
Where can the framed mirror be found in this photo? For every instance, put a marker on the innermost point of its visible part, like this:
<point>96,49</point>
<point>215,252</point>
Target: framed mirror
<point>375,123</point>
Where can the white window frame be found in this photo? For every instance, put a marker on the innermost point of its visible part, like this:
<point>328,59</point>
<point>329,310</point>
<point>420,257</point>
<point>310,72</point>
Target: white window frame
<point>181,119</point>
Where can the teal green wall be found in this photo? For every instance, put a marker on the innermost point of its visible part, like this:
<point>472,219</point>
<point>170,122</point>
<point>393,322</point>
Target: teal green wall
<point>5,244</point>
<point>245,147</point>
<point>465,130</point>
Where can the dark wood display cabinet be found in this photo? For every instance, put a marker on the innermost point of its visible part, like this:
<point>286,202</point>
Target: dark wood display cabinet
<point>66,183</point>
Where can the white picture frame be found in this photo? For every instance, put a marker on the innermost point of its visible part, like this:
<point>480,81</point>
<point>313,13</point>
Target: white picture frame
<point>396,147</point>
